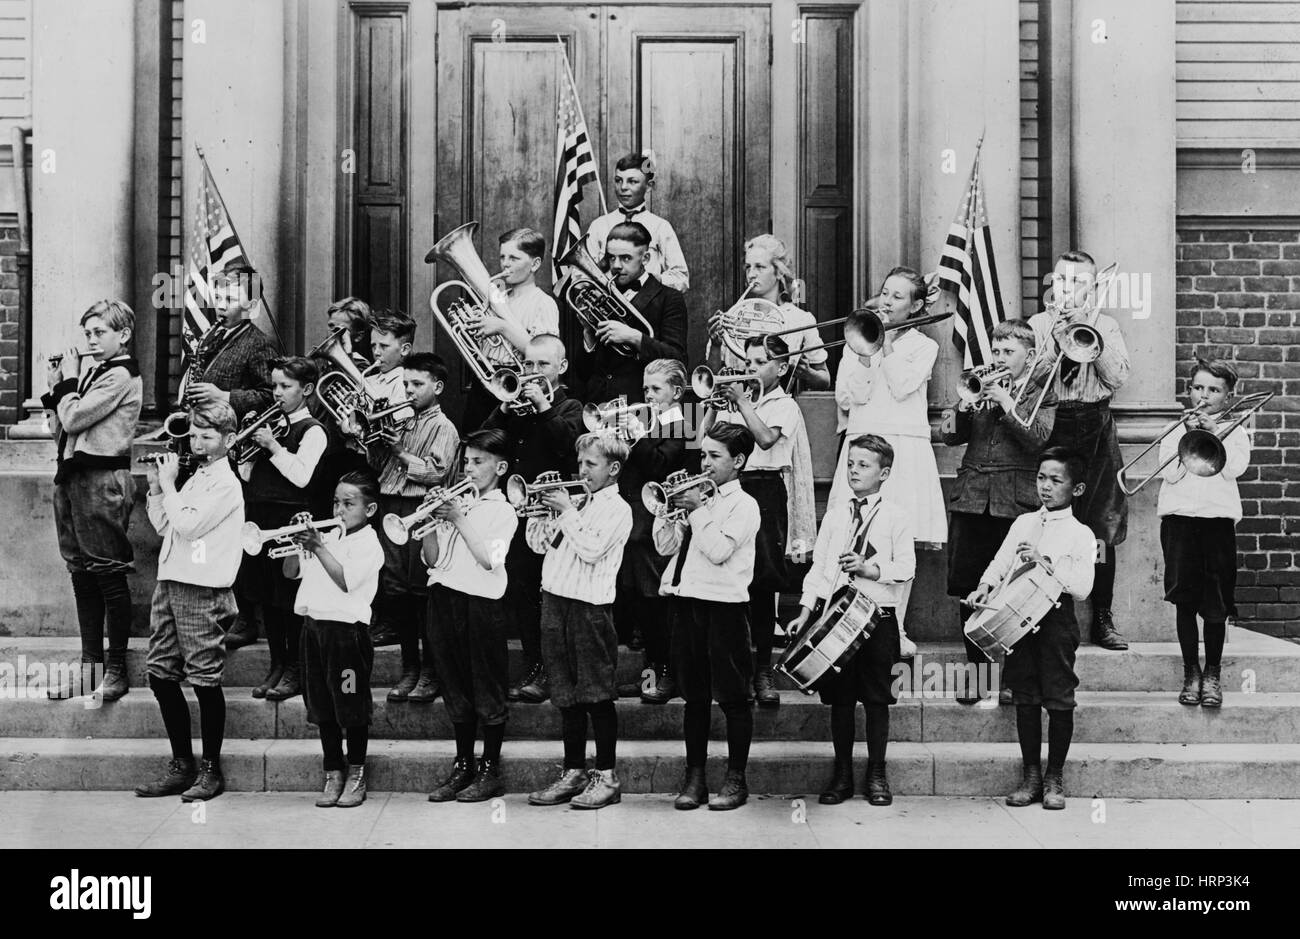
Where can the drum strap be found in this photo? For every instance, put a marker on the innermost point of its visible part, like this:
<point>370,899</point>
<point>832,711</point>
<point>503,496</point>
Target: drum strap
<point>858,537</point>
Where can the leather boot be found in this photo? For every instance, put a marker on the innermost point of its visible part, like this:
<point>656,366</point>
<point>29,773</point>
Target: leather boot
<point>733,794</point>
<point>530,673</point>
<point>405,685</point>
<point>1053,789</point>
<point>1191,693</point>
<point>179,777</point>
<point>1030,790</point>
<point>765,687</point>
<point>426,689</point>
<point>383,634</point>
<point>289,685</point>
<point>115,684</point>
<point>334,780</point>
<point>461,775</point>
<point>1105,634</point>
<point>209,784</point>
<point>354,788</point>
<point>1211,689</point>
<point>665,688</point>
<point>840,788</point>
<point>537,689</point>
<point>878,784</point>
<point>487,783</point>
<point>571,783</point>
<point>694,790</point>
<point>603,788</point>
<point>243,633</point>
<point>270,681</point>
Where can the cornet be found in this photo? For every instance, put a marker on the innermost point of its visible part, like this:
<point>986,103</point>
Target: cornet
<point>591,294</point>
<point>658,497</point>
<point>527,497</point>
<point>617,416</point>
<point>244,450</point>
<point>401,529</point>
<point>974,384</point>
<point>176,428</point>
<point>514,388</point>
<point>706,384</point>
<point>254,538</point>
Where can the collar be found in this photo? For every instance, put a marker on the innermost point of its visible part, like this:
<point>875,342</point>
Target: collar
<point>299,415</point>
<point>776,393</point>
<point>609,492</point>
<point>671,414</point>
<point>433,410</point>
<point>1056,515</point>
<point>728,488</point>
<point>638,285</point>
<point>868,501</point>
<point>632,212</point>
<point>495,495</point>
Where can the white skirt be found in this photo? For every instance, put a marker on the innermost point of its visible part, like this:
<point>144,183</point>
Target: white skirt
<point>913,486</point>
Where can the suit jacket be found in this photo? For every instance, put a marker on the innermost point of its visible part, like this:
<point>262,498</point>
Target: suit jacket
<point>241,365</point>
<point>609,374</point>
<point>542,442</point>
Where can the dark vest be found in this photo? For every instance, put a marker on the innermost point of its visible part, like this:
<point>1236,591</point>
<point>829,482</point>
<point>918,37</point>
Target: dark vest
<point>267,484</point>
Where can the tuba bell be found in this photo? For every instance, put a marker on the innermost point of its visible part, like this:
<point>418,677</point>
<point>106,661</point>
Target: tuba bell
<point>591,294</point>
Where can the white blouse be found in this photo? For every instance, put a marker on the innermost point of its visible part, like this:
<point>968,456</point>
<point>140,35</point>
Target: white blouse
<point>889,397</point>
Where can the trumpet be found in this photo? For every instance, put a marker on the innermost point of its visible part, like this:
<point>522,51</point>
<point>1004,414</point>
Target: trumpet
<point>706,384</point>
<point>617,416</point>
<point>591,294</point>
<point>526,497</point>
<point>244,450</point>
<point>1201,452</point>
<point>343,393</point>
<point>402,528</point>
<point>749,317</point>
<point>974,384</point>
<point>253,538</point>
<point>658,497</point>
<point>176,428</point>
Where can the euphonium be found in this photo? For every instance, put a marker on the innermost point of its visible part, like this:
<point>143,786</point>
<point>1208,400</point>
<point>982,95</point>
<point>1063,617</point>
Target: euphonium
<point>244,450</point>
<point>591,294</point>
<point>401,529</point>
<point>975,383</point>
<point>253,538</point>
<point>343,393</point>
<point>705,385</point>
<point>658,497</point>
<point>617,416</point>
<point>526,497</point>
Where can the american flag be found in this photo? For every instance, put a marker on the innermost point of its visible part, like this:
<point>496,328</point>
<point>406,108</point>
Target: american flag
<point>967,269</point>
<point>574,168</point>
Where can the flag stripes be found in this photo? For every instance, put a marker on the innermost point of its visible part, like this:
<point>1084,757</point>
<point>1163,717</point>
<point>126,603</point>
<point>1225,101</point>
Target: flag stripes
<point>967,268</point>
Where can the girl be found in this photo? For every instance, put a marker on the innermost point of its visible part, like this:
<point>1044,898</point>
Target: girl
<point>885,394</point>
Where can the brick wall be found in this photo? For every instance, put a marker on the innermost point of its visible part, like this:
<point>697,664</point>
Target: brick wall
<point>10,396</point>
<point>1239,300</point>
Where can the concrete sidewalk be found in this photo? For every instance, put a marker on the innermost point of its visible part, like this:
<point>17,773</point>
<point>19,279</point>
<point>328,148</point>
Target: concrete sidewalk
<point>80,820</point>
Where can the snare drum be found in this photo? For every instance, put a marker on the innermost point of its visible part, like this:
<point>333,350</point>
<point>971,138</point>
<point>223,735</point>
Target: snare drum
<point>1014,611</point>
<point>831,640</point>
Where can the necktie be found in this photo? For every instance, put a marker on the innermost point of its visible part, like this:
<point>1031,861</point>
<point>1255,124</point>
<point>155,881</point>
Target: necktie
<point>629,213</point>
<point>681,557</point>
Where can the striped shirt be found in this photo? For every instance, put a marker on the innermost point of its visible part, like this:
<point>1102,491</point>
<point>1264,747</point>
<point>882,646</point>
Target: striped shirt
<point>719,563</point>
<point>434,439</point>
<point>584,564</point>
<point>495,520</point>
<point>1094,381</point>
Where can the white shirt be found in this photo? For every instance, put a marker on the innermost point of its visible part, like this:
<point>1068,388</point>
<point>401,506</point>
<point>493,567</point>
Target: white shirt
<point>719,562</point>
<point>1095,380</point>
<point>534,311</point>
<point>890,396</point>
<point>1183,493</point>
<point>200,527</point>
<point>296,467</point>
<point>775,408</point>
<point>495,521</point>
<point>361,557</point>
<point>665,259</point>
<point>889,534</point>
<point>584,564</point>
<point>1068,544</point>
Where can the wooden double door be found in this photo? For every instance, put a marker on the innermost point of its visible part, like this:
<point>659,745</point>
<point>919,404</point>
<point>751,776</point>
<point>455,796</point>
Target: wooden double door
<point>690,83</point>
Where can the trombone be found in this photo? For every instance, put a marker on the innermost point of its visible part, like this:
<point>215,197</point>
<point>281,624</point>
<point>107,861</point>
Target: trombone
<point>706,384</point>
<point>658,497</point>
<point>526,497</point>
<point>254,539</point>
<point>401,529</point>
<point>617,416</point>
<point>244,450</point>
<point>864,331</point>
<point>1201,452</point>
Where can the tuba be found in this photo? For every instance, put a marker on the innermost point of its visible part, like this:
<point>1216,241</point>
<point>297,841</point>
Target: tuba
<point>591,294</point>
<point>342,391</point>
<point>462,318</point>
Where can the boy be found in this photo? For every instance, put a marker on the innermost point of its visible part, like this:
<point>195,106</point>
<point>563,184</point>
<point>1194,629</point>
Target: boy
<point>1040,672</point>
<point>607,371</point>
<point>353,314</point>
<point>192,603</point>
<point>232,360</point>
<point>709,572</point>
<point>467,618</point>
<point>1198,518</point>
<point>634,177</point>
<point>339,574</point>
<point>94,419</point>
<point>1084,421</point>
<point>583,550</point>
<point>995,483</point>
<point>541,441</point>
<point>409,463</point>
<point>277,487</point>
<point>784,495</point>
<point>531,311</point>
<point>870,546</point>
<point>392,339</point>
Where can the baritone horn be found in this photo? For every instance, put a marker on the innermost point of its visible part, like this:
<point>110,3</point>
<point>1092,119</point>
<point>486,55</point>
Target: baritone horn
<point>343,393</point>
<point>591,295</point>
<point>1201,452</point>
<point>526,497</point>
<point>401,529</point>
<point>254,539</point>
<point>658,497</point>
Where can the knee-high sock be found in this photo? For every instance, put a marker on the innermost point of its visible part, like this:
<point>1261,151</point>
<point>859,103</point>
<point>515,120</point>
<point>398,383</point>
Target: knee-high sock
<point>358,742</point>
<point>843,730</point>
<point>292,637</point>
<point>175,716</point>
<point>695,728</point>
<point>116,595</point>
<point>573,722</point>
<point>1215,634</point>
<point>90,615</point>
<point>604,727</point>
<point>274,621</point>
<point>1029,728</point>
<point>877,731</point>
<point>465,732</point>
<point>1188,636</point>
<point>1060,728</point>
<point>740,731</point>
<point>493,735</point>
<point>212,720</point>
<point>762,624</point>
<point>1103,583</point>
<point>331,744</point>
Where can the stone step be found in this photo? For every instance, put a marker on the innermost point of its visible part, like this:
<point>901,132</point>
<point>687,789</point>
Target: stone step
<point>1102,717</point>
<point>1251,661</point>
<point>784,769</point>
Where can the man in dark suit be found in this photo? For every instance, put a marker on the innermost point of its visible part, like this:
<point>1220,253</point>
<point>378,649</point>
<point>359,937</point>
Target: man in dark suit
<point>609,373</point>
